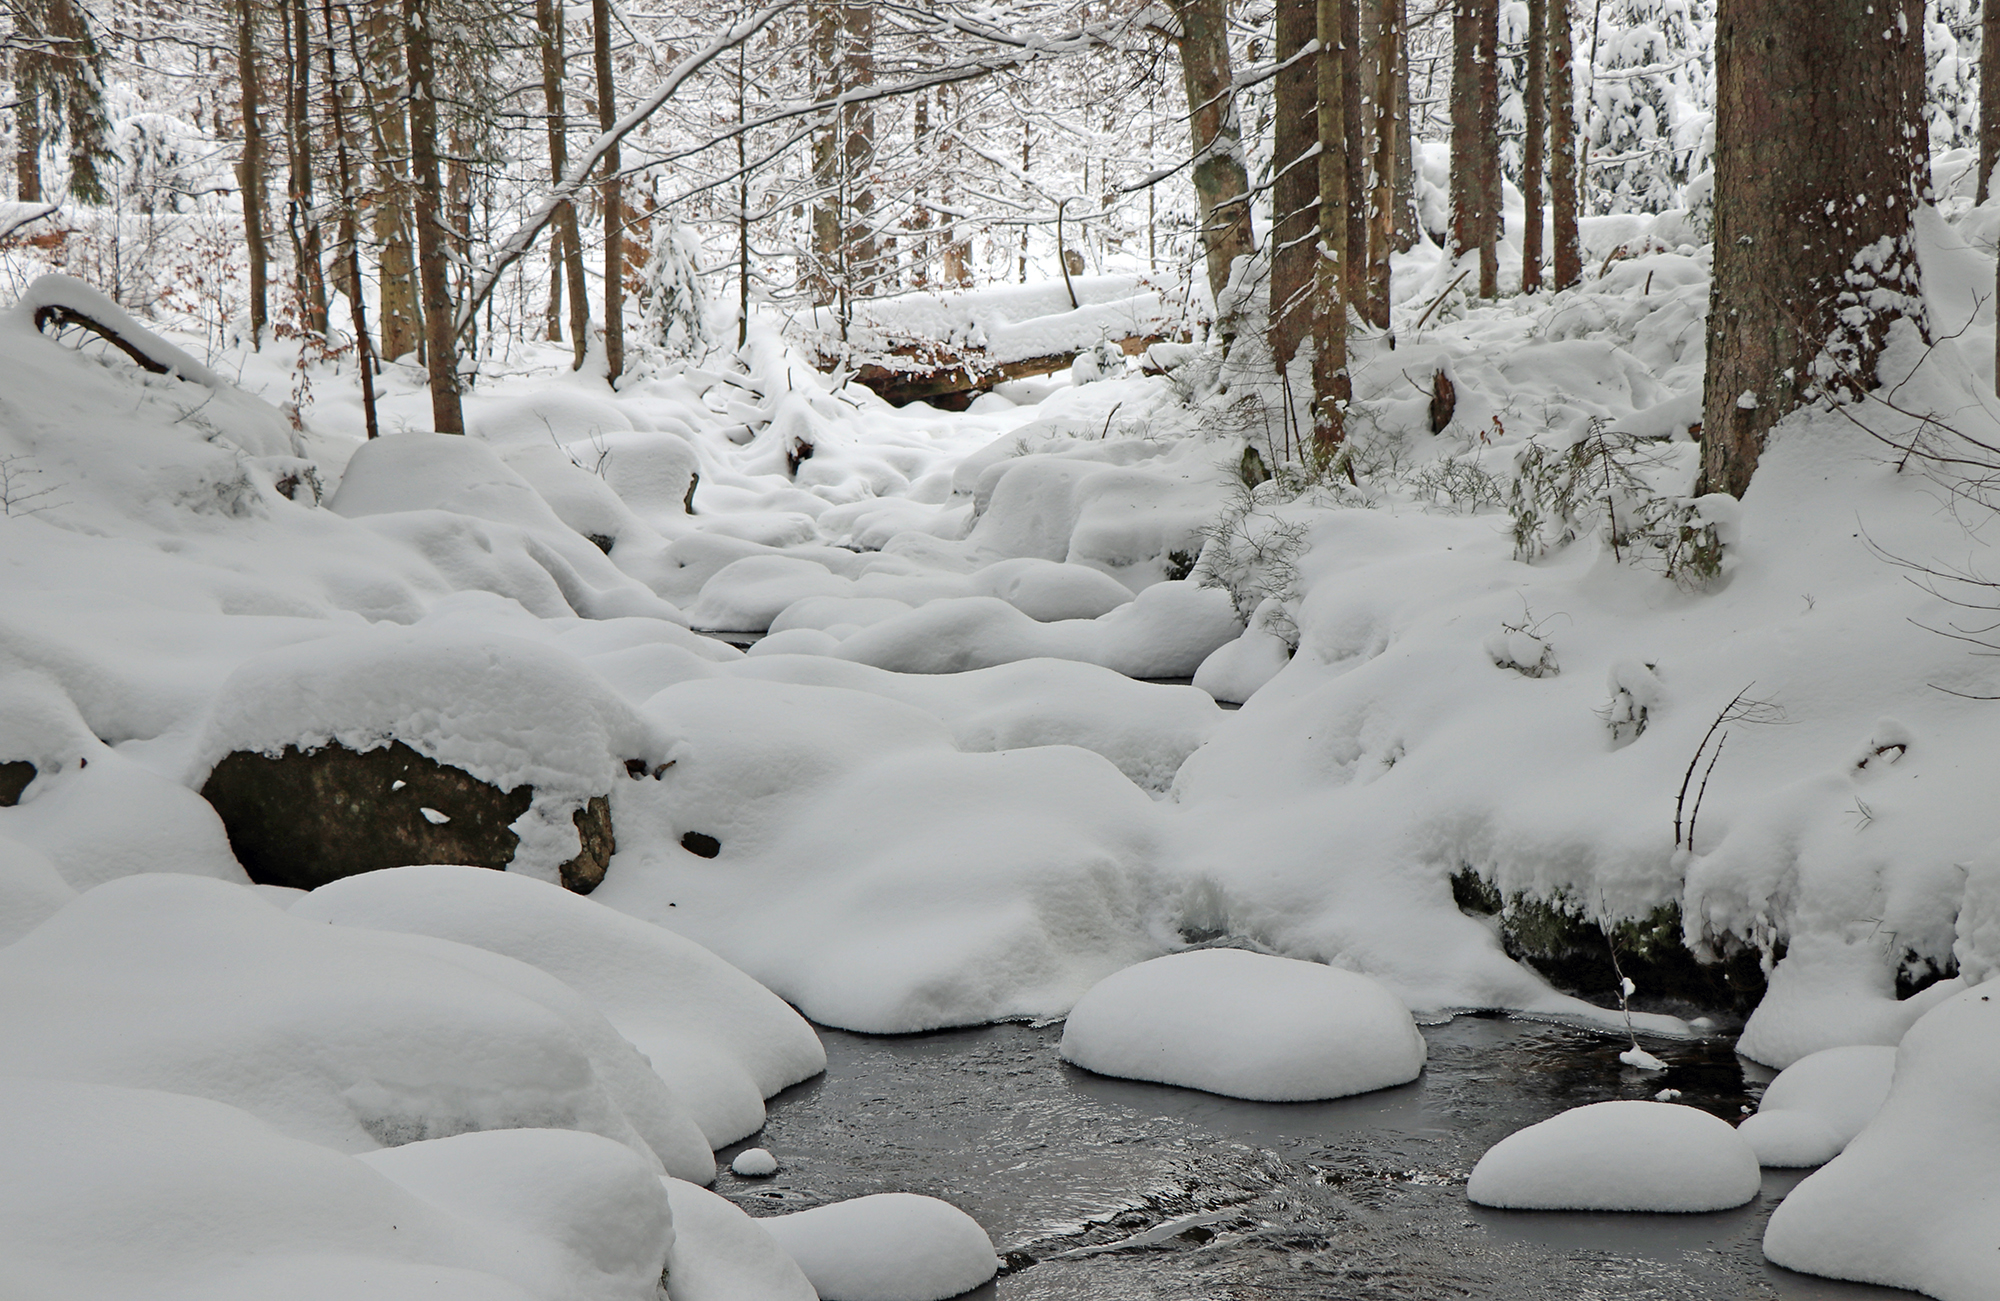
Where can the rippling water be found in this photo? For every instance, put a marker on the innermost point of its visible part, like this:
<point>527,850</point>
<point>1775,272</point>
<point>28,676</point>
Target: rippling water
<point>1108,1190</point>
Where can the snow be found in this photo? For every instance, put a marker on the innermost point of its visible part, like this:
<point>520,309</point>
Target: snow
<point>1619,1156</point>
<point>1912,1202</point>
<point>754,1163</point>
<point>350,1039</point>
<point>887,1247</point>
<point>721,1254</point>
<point>1819,1103</point>
<point>722,1042</point>
<point>1246,1025</point>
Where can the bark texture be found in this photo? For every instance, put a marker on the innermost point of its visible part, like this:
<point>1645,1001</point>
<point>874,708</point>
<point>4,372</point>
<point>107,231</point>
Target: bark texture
<point>447,417</point>
<point>1535,126</point>
<point>1820,147</point>
<point>1332,385</point>
<point>1567,255</point>
<point>1220,182</point>
<point>614,194</point>
<point>1295,191</point>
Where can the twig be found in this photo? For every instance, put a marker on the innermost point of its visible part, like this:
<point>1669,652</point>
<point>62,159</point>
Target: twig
<point>1439,299</point>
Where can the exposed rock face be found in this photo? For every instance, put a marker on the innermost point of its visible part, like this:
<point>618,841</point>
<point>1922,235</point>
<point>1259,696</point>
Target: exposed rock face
<point>304,818</point>
<point>14,778</point>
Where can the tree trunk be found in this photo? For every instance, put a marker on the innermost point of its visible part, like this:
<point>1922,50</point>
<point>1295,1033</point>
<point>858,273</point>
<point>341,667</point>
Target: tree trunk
<point>862,254</point>
<point>1389,146</point>
<point>364,363</point>
<point>307,247</point>
<point>1488,157</point>
<point>401,324</point>
<point>1568,252</point>
<point>1295,191</point>
<point>1355,153</point>
<point>827,217</point>
<point>1406,156</point>
<point>1989,96</point>
<point>566,248</point>
<point>442,351</point>
<point>1820,154</point>
<point>1222,187</point>
<point>1332,386</point>
<point>614,206</point>
<point>1535,117</point>
<point>250,172</point>
<point>1467,193</point>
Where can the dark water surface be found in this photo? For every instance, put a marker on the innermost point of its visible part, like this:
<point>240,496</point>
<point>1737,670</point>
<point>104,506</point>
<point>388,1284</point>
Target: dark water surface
<point>1108,1190</point>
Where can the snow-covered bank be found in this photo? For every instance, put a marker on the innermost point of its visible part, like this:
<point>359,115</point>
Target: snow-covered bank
<point>935,796</point>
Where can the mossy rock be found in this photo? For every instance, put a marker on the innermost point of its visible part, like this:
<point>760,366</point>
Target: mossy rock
<point>15,775</point>
<point>303,818</point>
<point>1574,953</point>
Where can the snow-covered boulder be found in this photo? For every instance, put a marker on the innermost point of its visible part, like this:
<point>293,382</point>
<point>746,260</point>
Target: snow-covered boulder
<point>721,1254</point>
<point>1245,1025</point>
<point>1619,1156</point>
<point>1914,1200</point>
<point>888,1247</point>
<point>1819,1103</point>
<point>721,1041</point>
<point>392,746</point>
<point>347,1038</point>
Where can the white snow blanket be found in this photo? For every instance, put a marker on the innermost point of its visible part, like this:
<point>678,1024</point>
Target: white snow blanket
<point>1819,1103</point>
<point>1619,1156</point>
<point>1245,1025</point>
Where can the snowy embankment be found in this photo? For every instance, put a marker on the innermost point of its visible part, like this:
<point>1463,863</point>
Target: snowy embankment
<point>934,795</point>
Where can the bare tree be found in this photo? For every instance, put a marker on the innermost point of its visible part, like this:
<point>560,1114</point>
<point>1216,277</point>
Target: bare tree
<point>1535,126</point>
<point>1221,183</point>
<point>433,243</point>
<point>1295,188</point>
<point>250,170</point>
<point>1332,384</point>
<point>566,250</point>
<point>614,206</point>
<point>1567,255</point>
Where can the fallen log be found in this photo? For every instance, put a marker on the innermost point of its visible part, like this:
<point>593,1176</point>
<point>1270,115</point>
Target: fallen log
<point>953,380</point>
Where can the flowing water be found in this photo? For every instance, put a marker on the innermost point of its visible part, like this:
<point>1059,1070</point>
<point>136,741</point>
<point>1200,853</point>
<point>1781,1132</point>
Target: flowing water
<point>1109,1190</point>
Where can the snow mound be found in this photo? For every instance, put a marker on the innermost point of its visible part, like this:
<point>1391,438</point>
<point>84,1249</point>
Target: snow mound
<point>31,890</point>
<point>115,1192</point>
<point>108,817</point>
<point>584,1213</point>
<point>754,1163</point>
<point>722,1042</point>
<point>1914,1200</point>
<point>509,711</point>
<point>721,1254</point>
<point>1819,1103</point>
<point>1619,1156</point>
<point>888,1247</point>
<point>1245,1025</point>
<point>348,1038</point>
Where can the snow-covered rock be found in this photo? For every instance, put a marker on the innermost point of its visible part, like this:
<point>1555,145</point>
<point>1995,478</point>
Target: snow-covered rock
<point>1619,1156</point>
<point>1246,1025</point>
<point>1914,1200</point>
<point>722,1042</point>
<point>887,1247</point>
<point>348,1038</point>
<point>721,1254</point>
<point>1819,1103</point>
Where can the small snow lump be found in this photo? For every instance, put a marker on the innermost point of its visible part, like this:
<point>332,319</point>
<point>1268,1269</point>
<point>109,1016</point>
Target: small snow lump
<point>1245,1025</point>
<point>754,1163</point>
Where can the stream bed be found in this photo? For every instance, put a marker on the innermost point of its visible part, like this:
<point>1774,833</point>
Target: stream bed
<point>1110,1190</point>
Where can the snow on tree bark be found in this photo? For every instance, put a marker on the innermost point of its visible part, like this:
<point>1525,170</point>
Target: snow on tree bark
<point>1295,191</point>
<point>1820,154</point>
<point>1222,186</point>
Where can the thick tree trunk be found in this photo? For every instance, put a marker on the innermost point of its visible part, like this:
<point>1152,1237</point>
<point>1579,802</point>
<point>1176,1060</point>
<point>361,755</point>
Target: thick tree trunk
<point>1222,187</point>
<point>614,194</point>
<point>1355,154</point>
<point>1568,252</point>
<point>250,172</point>
<point>1535,115</point>
<point>442,352</point>
<point>1332,386</point>
<point>401,324</point>
<point>1820,151</point>
<point>1389,147</point>
<point>1295,191</point>
<point>1406,157</point>
<point>1488,58</point>
<point>1467,193</point>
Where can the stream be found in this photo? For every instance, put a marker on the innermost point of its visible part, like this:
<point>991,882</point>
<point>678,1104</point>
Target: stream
<point>1110,1190</point>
